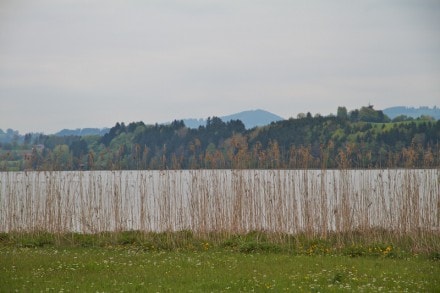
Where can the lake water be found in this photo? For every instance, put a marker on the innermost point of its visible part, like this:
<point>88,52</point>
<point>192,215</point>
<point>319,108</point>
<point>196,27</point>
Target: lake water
<point>288,201</point>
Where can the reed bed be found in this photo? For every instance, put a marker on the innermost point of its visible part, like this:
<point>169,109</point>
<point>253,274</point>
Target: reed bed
<point>312,202</point>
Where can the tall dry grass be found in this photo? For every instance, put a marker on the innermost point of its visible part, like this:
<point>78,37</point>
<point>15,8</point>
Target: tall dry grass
<point>313,202</point>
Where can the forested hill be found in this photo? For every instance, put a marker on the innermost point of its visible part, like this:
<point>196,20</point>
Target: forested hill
<point>361,138</point>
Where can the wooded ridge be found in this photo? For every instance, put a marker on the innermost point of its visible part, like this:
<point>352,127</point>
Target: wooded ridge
<point>362,138</point>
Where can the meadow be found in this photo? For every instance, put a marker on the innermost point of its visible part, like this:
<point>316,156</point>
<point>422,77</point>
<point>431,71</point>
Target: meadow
<point>181,262</point>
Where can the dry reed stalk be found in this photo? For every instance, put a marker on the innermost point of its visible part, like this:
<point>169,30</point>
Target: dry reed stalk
<point>117,201</point>
<point>324,228</point>
<point>237,204</point>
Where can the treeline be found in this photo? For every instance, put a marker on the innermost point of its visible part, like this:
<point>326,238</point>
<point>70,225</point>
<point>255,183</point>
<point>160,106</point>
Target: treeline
<point>363,138</point>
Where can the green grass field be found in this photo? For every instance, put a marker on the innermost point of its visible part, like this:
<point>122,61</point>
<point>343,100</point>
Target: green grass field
<point>126,268</point>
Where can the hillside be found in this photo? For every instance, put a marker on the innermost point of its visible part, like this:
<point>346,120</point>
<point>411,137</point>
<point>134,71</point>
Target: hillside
<point>251,119</point>
<point>394,112</point>
<point>361,138</point>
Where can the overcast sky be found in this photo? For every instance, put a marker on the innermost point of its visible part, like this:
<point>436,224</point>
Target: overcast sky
<point>74,64</point>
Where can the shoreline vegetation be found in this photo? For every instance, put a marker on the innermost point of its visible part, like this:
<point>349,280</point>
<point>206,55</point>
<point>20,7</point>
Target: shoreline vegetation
<point>284,209</point>
<point>374,243</point>
<point>236,201</point>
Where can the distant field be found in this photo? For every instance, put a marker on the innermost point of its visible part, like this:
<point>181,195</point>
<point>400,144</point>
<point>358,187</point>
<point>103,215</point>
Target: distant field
<point>128,269</point>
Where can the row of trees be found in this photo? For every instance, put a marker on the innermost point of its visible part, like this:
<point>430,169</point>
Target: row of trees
<point>342,141</point>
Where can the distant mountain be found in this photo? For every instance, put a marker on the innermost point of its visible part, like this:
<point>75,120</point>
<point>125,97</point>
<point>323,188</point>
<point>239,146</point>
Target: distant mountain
<point>83,131</point>
<point>249,118</point>
<point>393,112</point>
<point>194,123</point>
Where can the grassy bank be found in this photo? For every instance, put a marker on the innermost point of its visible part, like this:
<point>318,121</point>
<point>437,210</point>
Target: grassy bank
<point>151,262</point>
<point>373,242</point>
